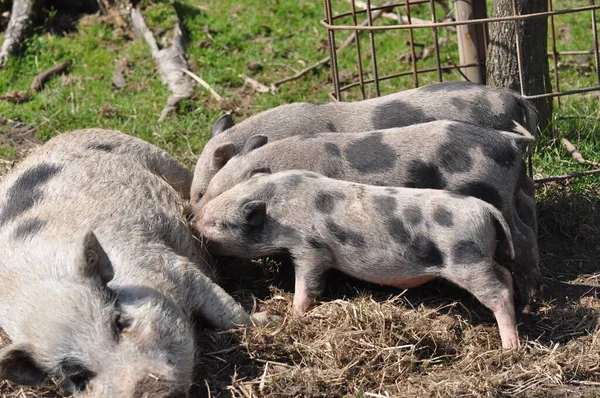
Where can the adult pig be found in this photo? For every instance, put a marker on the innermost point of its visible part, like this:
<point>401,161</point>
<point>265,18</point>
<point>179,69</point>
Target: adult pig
<point>459,157</point>
<point>100,277</point>
<point>463,101</point>
<point>394,236</point>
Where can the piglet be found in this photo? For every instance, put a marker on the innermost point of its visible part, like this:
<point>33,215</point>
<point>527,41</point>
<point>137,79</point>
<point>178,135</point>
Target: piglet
<point>401,237</point>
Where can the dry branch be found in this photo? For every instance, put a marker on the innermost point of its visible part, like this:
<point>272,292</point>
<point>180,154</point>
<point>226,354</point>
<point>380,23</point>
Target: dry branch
<point>204,84</point>
<point>20,17</point>
<point>170,61</point>
<point>576,154</point>
<point>16,97</point>
<point>255,84</point>
<point>38,82</point>
<point>349,40</point>
<point>567,176</point>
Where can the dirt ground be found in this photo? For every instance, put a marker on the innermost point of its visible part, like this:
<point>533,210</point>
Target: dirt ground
<point>371,341</point>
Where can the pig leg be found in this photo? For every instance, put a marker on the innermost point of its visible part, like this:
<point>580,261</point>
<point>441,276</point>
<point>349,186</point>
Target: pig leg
<point>491,284</point>
<point>211,302</point>
<point>309,269</point>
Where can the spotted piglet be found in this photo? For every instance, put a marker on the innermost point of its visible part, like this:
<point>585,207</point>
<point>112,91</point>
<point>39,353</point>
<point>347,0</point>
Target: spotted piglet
<point>401,237</point>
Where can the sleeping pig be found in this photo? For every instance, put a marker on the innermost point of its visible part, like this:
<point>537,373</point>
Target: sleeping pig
<point>463,101</point>
<point>459,157</point>
<point>100,276</point>
<point>394,236</point>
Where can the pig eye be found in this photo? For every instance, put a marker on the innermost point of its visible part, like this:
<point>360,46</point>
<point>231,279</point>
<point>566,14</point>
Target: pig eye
<point>199,196</point>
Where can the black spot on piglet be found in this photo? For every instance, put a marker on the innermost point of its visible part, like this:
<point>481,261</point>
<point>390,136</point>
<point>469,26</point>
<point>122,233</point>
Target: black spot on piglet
<point>413,214</point>
<point>385,205</point>
<point>345,236</point>
<point>466,252</point>
<point>442,216</point>
<point>423,250</point>
<point>325,202</point>
<point>370,155</point>
<point>333,149</point>
<point>397,230</point>
<point>424,175</point>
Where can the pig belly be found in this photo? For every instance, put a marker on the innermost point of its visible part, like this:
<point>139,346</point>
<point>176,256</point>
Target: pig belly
<point>406,283</point>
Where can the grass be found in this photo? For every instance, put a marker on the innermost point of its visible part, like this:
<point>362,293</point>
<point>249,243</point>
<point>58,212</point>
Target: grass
<point>361,340</point>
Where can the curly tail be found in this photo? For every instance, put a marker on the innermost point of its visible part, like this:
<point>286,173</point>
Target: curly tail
<point>502,221</point>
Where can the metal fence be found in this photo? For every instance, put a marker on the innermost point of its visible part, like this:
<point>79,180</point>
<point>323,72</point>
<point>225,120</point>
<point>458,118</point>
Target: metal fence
<point>470,25</point>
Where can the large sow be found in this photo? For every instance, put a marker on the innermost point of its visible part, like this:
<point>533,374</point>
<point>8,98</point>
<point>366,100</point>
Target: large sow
<point>100,277</point>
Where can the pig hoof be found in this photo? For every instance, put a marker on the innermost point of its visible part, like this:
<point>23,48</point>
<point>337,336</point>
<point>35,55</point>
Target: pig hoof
<point>264,319</point>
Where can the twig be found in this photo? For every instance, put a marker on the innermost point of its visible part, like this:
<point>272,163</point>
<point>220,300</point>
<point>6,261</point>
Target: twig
<point>451,62</point>
<point>584,382</point>
<point>567,176</point>
<point>16,97</point>
<point>256,85</point>
<point>576,154</point>
<point>203,84</point>
<point>425,50</point>
<point>261,386</point>
<point>375,395</point>
<point>349,40</point>
<point>38,82</point>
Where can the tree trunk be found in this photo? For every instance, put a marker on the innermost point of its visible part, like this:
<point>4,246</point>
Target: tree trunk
<point>502,67</point>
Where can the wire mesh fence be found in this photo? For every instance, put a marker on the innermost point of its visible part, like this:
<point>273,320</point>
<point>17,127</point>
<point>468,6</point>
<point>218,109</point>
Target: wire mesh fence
<point>416,42</point>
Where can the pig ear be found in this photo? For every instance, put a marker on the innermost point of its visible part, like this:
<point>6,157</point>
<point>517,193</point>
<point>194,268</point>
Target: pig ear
<point>223,154</point>
<point>223,123</point>
<point>256,141</point>
<point>94,262</point>
<point>261,170</point>
<point>18,366</point>
<point>255,213</point>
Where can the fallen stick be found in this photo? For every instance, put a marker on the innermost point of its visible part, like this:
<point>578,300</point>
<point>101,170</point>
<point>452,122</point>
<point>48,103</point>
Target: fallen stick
<point>566,176</point>
<point>349,40</point>
<point>255,84</point>
<point>16,97</point>
<point>576,154</point>
<point>40,80</point>
<point>204,84</point>
<point>170,61</point>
